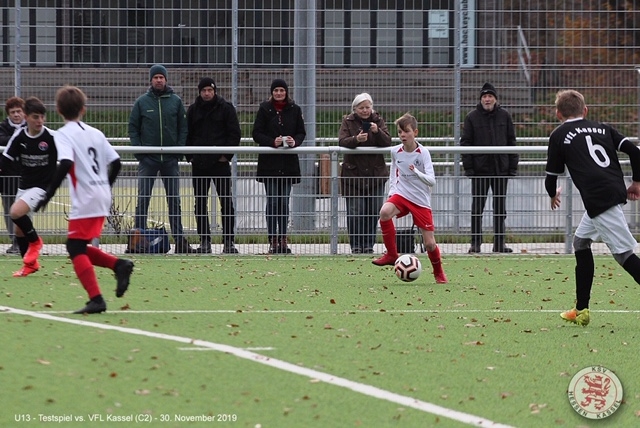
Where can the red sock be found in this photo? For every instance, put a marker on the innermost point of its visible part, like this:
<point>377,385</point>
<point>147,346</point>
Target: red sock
<point>100,258</point>
<point>389,237</point>
<point>436,262</point>
<point>86,274</point>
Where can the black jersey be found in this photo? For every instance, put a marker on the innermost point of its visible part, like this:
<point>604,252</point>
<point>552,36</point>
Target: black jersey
<point>37,157</point>
<point>589,150</point>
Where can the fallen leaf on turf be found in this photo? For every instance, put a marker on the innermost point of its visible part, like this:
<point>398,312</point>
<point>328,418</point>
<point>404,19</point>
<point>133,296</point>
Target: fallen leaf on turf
<point>475,342</point>
<point>43,362</point>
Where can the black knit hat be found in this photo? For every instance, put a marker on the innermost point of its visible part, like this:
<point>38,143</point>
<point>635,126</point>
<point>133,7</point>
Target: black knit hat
<point>158,69</point>
<point>488,88</point>
<point>279,83</point>
<point>205,82</point>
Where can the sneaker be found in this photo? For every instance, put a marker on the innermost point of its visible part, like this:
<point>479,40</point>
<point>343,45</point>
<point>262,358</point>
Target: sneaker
<point>575,316</point>
<point>502,250</point>
<point>33,252</point>
<point>441,278</point>
<point>368,250</point>
<point>386,260</point>
<point>356,250</point>
<point>204,249</point>
<point>183,247</point>
<point>229,249</point>
<point>13,249</point>
<point>92,308</point>
<point>474,249</point>
<point>27,270</point>
<point>123,271</point>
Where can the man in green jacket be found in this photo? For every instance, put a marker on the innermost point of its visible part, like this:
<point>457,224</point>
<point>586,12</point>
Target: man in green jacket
<point>158,119</point>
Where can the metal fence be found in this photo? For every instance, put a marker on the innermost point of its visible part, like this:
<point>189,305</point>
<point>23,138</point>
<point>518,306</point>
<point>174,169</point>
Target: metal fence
<point>317,222</point>
<point>428,57</point>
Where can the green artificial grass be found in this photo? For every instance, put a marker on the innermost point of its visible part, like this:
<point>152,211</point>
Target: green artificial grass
<point>490,344</point>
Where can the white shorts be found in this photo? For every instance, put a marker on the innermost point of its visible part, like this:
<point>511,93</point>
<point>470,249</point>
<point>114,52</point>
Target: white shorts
<point>611,227</point>
<point>31,196</point>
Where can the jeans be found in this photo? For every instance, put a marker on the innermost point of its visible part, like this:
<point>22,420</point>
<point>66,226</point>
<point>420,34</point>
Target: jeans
<point>479,189</point>
<point>169,171</point>
<point>220,174</point>
<point>362,218</point>
<point>278,191</point>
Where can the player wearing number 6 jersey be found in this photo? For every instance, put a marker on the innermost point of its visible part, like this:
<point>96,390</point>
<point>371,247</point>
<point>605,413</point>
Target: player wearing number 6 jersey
<point>92,165</point>
<point>589,151</point>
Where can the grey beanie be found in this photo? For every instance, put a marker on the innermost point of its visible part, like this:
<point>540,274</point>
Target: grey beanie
<point>157,69</point>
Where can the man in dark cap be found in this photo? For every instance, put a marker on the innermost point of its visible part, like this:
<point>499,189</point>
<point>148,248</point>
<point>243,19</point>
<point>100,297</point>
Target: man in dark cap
<point>212,121</point>
<point>158,119</point>
<point>489,125</point>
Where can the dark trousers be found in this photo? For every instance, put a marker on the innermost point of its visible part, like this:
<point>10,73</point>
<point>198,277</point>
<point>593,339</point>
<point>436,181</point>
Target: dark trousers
<point>479,189</point>
<point>278,191</point>
<point>169,171</point>
<point>220,174</point>
<point>363,213</point>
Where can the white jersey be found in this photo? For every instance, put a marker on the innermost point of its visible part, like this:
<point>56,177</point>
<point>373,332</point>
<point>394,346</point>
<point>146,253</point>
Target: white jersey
<point>88,179</point>
<point>415,185</point>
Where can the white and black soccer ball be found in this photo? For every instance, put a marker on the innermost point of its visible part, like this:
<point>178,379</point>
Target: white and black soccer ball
<point>408,267</point>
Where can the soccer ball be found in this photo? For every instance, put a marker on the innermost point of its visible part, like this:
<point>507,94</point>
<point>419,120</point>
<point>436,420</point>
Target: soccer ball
<point>408,267</point>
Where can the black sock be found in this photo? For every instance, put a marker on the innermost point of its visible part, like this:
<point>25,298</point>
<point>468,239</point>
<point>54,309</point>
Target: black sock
<point>584,277</point>
<point>23,244</point>
<point>26,225</point>
<point>632,265</point>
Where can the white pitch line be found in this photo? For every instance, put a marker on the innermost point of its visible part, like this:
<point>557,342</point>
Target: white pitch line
<point>372,311</point>
<point>364,389</point>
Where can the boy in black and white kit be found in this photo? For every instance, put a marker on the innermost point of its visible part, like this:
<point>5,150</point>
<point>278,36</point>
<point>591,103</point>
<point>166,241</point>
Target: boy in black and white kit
<point>588,149</point>
<point>410,181</point>
<point>92,166</point>
<point>33,146</point>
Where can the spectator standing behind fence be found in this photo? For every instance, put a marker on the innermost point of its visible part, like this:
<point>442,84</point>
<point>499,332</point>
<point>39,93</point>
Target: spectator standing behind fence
<point>363,175</point>
<point>85,155</point>
<point>489,125</point>
<point>278,124</point>
<point>158,119</point>
<point>588,149</point>
<point>35,149</point>
<point>212,121</point>
<point>410,181</point>
<point>14,107</point>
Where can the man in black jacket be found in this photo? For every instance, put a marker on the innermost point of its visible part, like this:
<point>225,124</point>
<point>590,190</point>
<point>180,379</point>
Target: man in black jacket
<point>489,125</point>
<point>212,121</point>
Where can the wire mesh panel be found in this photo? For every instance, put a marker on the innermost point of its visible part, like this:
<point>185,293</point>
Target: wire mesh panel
<point>429,58</point>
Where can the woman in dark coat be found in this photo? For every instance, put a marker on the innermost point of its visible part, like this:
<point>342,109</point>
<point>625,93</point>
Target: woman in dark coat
<point>279,124</point>
<point>363,176</point>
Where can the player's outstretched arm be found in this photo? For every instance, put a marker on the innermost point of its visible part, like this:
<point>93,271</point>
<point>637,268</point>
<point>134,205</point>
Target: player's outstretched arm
<point>61,172</point>
<point>633,191</point>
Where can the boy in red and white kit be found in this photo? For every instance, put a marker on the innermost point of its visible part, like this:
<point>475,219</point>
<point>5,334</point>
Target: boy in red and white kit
<point>85,155</point>
<point>410,182</point>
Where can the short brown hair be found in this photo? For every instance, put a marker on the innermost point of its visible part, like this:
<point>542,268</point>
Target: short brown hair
<point>34,105</point>
<point>570,103</point>
<point>14,102</point>
<point>407,122</point>
<point>70,100</point>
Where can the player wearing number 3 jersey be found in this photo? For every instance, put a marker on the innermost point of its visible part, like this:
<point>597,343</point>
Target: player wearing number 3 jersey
<point>91,166</point>
<point>589,149</point>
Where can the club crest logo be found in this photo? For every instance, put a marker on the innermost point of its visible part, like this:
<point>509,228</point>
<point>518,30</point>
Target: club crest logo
<point>595,392</point>
<point>43,146</point>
